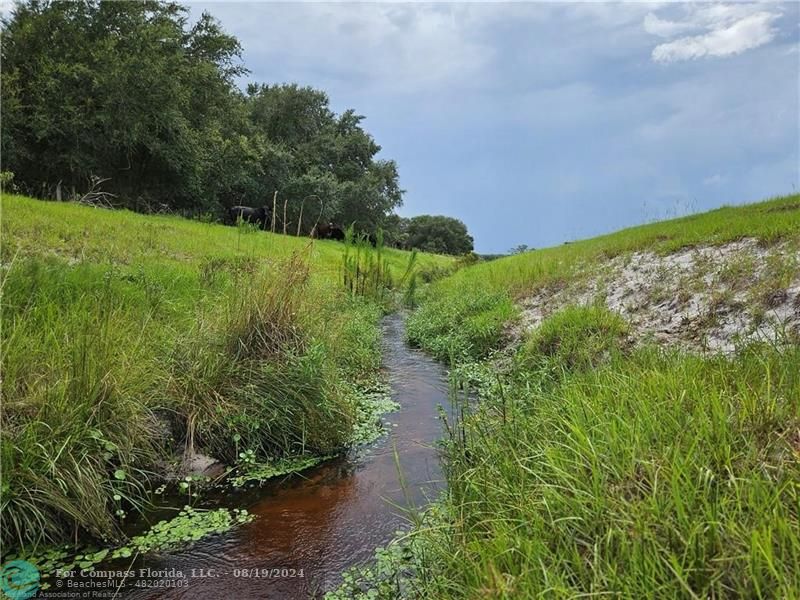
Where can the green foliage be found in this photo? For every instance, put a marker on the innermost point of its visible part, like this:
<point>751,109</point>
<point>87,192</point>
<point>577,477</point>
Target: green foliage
<point>261,472</point>
<point>461,326</point>
<point>439,234</point>
<point>365,271</point>
<point>387,577</point>
<point>576,338</point>
<point>322,157</point>
<point>74,431</point>
<point>371,405</point>
<point>136,94</point>
<point>126,91</point>
<point>653,471</point>
<point>467,260</point>
<point>188,526</point>
<point>7,182</point>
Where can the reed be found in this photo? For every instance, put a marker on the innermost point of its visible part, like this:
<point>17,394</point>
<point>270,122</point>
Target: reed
<point>365,270</point>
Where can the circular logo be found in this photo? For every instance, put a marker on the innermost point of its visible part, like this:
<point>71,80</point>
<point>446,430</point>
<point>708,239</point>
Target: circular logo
<point>19,579</point>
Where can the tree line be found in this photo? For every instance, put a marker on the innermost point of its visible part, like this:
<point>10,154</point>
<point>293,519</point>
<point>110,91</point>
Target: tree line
<point>134,98</point>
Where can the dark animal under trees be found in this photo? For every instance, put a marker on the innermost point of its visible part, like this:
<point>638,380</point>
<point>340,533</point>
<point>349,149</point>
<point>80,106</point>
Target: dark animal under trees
<point>257,216</point>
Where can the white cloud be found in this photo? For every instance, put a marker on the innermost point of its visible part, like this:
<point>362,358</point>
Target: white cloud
<point>746,34</point>
<point>715,179</point>
<point>665,28</point>
<point>394,48</point>
<point>6,6</point>
<point>716,30</point>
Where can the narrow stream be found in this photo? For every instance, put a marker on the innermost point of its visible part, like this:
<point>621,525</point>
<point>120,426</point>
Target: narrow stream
<point>331,517</point>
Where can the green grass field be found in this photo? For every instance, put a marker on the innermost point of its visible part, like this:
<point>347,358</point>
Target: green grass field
<point>127,338</point>
<point>594,467</point>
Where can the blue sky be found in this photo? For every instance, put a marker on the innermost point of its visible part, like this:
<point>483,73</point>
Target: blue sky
<point>540,123</point>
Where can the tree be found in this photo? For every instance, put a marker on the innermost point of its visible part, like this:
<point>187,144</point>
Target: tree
<point>121,90</point>
<point>395,230</point>
<point>440,234</point>
<point>135,94</point>
<point>330,158</point>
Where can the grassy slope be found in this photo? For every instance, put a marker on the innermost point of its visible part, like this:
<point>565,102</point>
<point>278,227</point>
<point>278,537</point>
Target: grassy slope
<point>593,467</point>
<point>471,307</point>
<point>32,227</point>
<point>126,337</point>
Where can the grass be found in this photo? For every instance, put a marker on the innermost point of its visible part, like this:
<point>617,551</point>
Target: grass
<point>129,339</point>
<point>592,466</point>
<point>769,222</point>
<point>482,296</point>
<point>81,234</point>
<point>652,476</point>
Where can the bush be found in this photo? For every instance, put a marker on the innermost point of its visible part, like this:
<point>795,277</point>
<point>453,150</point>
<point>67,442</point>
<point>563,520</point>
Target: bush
<point>576,338</point>
<point>460,326</point>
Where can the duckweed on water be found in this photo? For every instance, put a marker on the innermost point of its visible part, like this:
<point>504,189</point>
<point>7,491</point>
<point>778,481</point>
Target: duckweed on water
<point>370,407</point>
<point>189,526</point>
<point>260,472</point>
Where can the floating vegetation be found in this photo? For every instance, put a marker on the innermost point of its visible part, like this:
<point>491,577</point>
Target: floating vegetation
<point>189,526</point>
<point>260,472</point>
<point>370,407</point>
<point>59,559</point>
<point>388,576</point>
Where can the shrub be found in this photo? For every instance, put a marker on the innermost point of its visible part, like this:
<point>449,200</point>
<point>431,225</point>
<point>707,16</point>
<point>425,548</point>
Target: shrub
<point>576,338</point>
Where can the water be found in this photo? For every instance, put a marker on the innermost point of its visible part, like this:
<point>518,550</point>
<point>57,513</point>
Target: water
<point>330,518</point>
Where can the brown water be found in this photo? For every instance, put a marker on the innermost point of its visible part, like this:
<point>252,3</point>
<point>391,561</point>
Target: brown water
<point>331,517</point>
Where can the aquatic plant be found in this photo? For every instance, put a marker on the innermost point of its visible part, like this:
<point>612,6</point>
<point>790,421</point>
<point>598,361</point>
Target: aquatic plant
<point>188,526</point>
<point>371,405</point>
<point>261,472</point>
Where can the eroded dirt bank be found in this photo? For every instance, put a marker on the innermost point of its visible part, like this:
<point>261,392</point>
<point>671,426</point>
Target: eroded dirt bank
<point>707,298</point>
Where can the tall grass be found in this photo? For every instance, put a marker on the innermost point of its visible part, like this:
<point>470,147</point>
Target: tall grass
<point>130,340</point>
<point>101,387</point>
<point>592,467</point>
<point>651,474</point>
<point>73,379</point>
<point>259,374</point>
<point>365,270</point>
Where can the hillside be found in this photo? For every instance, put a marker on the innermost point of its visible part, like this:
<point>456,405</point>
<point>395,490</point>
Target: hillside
<point>482,301</point>
<point>82,234</point>
<point>637,429</point>
<point>134,344</point>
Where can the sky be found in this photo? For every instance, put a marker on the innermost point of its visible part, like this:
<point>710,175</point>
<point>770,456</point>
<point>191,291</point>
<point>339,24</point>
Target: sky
<point>539,123</point>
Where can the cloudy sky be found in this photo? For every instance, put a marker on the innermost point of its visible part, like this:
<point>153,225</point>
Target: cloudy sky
<point>540,123</point>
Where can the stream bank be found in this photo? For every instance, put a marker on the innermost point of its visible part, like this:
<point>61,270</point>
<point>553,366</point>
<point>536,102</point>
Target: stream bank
<point>312,526</point>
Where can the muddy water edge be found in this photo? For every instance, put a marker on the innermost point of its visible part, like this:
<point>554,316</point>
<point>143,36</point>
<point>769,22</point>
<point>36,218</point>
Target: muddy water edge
<point>311,527</point>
